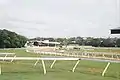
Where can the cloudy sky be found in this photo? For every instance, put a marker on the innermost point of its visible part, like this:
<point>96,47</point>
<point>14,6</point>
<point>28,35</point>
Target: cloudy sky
<point>60,18</point>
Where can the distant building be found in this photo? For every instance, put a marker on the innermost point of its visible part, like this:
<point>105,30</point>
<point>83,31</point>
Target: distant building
<point>41,43</point>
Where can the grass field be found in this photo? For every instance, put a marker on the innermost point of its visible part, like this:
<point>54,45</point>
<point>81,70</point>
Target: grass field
<point>86,70</point>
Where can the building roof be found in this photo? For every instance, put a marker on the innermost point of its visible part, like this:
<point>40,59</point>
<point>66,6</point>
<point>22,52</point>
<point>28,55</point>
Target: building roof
<point>118,28</point>
<point>48,42</point>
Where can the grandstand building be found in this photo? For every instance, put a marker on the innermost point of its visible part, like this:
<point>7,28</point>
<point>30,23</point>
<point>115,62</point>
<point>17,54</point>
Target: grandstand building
<point>41,43</point>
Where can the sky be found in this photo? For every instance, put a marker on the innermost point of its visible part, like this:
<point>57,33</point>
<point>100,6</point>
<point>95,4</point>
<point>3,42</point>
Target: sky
<point>60,18</point>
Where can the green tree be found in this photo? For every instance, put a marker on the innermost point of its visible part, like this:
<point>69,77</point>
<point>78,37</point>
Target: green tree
<point>118,42</point>
<point>10,39</point>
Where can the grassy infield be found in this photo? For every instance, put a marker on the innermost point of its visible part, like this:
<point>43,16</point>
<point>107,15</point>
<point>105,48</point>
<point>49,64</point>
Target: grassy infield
<point>86,70</point>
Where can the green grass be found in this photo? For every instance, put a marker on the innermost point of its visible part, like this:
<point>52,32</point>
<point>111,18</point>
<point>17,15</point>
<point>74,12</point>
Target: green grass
<point>86,70</point>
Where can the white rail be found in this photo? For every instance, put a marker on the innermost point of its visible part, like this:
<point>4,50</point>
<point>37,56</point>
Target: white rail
<point>36,58</point>
<point>64,58</point>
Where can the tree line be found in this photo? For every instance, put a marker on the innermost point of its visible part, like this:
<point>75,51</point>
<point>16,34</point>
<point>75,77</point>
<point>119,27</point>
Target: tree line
<point>88,41</point>
<point>10,39</point>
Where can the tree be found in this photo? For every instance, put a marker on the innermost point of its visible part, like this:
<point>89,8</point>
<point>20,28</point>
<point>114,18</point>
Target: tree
<point>118,42</point>
<point>96,42</point>
<point>109,42</point>
<point>79,40</point>
<point>10,39</point>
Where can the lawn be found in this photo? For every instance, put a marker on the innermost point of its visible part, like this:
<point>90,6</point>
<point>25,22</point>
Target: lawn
<point>86,70</point>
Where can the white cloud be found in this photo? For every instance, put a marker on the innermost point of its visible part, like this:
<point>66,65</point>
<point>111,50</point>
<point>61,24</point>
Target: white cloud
<point>4,2</point>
